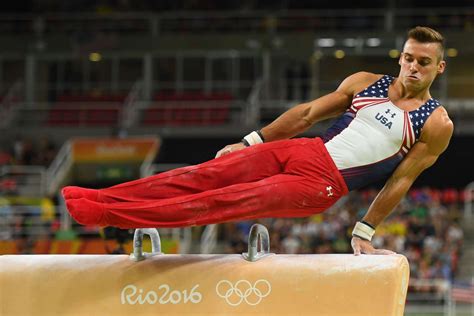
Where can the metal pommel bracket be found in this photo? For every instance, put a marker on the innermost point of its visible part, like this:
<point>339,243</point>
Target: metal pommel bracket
<point>138,254</point>
<point>253,254</point>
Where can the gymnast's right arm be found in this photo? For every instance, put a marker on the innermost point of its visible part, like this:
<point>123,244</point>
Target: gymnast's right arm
<point>301,117</point>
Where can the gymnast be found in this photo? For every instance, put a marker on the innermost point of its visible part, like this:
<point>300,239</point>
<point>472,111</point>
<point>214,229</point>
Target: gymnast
<point>389,128</point>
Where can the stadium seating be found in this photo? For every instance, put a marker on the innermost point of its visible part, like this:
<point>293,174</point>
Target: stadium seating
<point>86,110</point>
<point>188,109</point>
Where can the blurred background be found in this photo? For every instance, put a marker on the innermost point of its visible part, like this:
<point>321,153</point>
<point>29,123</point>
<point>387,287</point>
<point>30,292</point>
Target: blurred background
<point>97,92</point>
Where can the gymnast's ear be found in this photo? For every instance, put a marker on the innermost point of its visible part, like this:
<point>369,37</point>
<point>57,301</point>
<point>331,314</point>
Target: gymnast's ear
<point>441,67</point>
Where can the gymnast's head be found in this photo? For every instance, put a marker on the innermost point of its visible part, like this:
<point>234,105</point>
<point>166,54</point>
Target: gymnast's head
<point>422,58</point>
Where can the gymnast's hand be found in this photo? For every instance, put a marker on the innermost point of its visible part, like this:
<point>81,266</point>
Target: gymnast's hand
<point>364,246</point>
<point>230,149</point>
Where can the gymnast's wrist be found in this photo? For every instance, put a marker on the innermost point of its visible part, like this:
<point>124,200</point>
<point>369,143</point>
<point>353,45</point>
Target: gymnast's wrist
<point>363,230</point>
<point>245,142</point>
<point>253,138</point>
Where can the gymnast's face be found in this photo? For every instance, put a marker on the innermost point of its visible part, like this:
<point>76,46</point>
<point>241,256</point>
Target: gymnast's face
<point>420,63</point>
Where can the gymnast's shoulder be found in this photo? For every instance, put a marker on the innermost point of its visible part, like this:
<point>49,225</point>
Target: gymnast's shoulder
<point>438,130</point>
<point>358,81</point>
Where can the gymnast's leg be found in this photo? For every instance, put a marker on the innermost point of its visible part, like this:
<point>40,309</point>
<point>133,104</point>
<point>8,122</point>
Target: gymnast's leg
<point>281,195</point>
<point>248,165</point>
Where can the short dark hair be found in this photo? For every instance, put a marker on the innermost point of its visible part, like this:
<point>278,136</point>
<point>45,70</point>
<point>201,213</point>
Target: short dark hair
<point>425,34</point>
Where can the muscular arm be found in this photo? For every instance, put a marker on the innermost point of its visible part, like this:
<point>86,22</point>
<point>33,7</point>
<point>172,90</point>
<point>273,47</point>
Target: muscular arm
<point>301,117</point>
<point>435,137</point>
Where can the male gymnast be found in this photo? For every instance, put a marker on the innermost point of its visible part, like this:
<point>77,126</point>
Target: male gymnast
<point>389,128</point>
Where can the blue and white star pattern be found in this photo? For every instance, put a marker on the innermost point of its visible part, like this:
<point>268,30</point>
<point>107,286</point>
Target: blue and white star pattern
<point>379,89</point>
<point>419,116</point>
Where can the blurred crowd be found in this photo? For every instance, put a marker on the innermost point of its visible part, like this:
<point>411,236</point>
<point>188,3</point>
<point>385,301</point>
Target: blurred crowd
<point>24,151</point>
<point>19,153</point>
<point>424,227</point>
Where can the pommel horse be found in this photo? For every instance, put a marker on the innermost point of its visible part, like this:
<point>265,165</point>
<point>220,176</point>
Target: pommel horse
<point>254,283</point>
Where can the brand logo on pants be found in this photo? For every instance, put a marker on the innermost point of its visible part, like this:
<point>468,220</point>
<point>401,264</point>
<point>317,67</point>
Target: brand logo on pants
<point>243,290</point>
<point>329,189</point>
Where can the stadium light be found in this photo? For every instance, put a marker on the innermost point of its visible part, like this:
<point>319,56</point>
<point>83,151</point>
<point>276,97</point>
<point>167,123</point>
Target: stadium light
<point>95,57</point>
<point>394,53</point>
<point>326,42</point>
<point>339,54</point>
<point>373,42</point>
<point>452,52</point>
<point>349,42</point>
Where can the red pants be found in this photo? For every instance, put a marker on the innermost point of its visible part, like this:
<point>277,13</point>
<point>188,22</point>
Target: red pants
<point>289,178</point>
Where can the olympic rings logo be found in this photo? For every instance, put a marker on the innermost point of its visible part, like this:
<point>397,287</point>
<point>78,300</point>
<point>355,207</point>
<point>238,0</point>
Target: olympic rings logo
<point>243,290</point>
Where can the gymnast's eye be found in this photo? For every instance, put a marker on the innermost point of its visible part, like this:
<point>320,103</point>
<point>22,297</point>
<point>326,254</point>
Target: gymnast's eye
<point>424,62</point>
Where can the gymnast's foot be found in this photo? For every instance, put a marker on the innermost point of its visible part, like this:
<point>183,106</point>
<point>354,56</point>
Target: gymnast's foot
<point>86,212</point>
<point>72,192</point>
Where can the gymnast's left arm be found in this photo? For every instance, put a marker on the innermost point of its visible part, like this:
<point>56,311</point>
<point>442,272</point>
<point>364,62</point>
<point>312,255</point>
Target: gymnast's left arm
<point>434,139</point>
